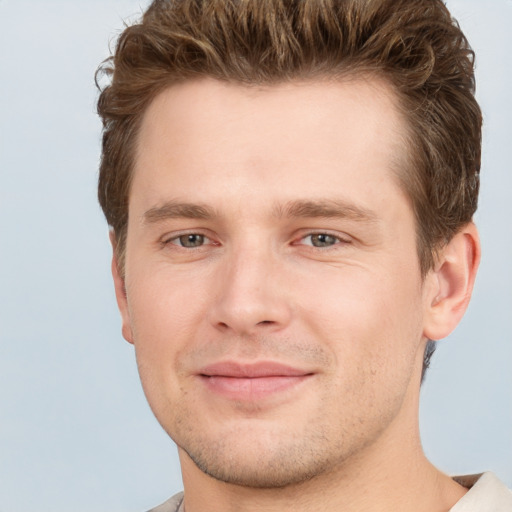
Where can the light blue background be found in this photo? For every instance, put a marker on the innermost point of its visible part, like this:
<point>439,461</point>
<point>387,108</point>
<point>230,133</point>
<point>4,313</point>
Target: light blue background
<point>75,431</point>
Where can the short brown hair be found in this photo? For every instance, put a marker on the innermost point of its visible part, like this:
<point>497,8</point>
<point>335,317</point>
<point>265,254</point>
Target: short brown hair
<point>415,45</point>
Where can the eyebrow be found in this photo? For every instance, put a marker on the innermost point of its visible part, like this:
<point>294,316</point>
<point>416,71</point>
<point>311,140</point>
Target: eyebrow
<point>326,208</point>
<point>176,210</point>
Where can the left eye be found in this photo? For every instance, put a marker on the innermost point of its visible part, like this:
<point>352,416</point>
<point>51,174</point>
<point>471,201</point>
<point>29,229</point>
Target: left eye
<point>321,240</point>
<point>190,240</point>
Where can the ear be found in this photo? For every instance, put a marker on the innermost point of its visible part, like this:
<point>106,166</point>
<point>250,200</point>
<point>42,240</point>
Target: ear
<point>450,283</point>
<point>119,285</point>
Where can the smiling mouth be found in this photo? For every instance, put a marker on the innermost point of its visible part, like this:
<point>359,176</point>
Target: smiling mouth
<point>251,382</point>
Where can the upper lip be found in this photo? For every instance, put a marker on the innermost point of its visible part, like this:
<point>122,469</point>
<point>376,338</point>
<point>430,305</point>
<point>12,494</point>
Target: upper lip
<point>252,370</point>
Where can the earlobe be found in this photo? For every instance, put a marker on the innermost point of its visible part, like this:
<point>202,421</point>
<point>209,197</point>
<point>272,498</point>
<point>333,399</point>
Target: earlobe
<point>451,283</point>
<point>120,289</point>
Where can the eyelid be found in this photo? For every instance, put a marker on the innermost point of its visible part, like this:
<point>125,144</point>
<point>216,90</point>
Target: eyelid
<point>168,238</point>
<point>177,239</point>
<point>342,239</point>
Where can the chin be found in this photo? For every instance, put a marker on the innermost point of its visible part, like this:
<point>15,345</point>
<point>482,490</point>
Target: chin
<point>263,460</point>
<point>261,473</point>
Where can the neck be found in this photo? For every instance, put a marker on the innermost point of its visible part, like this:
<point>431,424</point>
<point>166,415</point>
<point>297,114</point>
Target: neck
<point>396,486</point>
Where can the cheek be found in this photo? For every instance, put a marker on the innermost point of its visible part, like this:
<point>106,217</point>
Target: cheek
<point>371,322</point>
<point>162,304</point>
<point>160,326</point>
<point>165,316</point>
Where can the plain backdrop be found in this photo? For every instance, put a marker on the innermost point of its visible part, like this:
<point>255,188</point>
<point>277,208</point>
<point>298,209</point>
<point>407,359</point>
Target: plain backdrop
<point>75,431</point>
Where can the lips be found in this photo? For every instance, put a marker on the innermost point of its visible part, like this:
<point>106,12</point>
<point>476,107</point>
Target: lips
<point>250,382</point>
<point>251,371</point>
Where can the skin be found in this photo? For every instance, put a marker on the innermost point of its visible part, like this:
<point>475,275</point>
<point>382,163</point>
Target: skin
<point>267,227</point>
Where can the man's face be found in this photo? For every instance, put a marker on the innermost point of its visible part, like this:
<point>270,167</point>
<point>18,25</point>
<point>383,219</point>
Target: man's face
<point>273,289</point>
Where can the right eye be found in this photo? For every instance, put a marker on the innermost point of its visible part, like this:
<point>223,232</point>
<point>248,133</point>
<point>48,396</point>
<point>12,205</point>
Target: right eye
<point>189,240</point>
<point>321,240</point>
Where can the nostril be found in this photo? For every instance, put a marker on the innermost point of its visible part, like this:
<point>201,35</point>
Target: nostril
<point>263,322</point>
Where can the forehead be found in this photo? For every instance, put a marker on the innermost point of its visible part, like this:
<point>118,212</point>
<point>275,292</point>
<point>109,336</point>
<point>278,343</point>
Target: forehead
<point>287,139</point>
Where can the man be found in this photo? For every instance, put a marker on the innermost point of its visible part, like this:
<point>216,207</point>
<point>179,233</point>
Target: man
<point>290,187</point>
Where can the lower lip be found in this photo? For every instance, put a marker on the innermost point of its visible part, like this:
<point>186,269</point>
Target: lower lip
<point>251,389</point>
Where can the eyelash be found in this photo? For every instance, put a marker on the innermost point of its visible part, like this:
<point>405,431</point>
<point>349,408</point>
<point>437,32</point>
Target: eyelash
<point>337,240</point>
<point>176,238</point>
<point>205,240</point>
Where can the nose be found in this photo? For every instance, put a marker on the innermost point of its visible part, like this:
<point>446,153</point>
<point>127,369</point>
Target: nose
<point>251,297</point>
